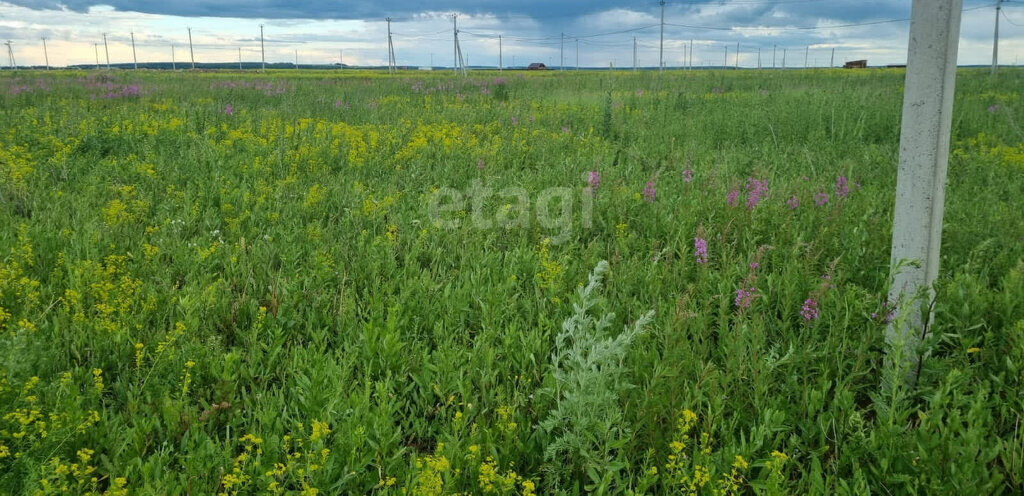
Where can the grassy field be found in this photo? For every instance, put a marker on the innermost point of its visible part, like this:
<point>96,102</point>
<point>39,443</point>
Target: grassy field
<point>348,283</point>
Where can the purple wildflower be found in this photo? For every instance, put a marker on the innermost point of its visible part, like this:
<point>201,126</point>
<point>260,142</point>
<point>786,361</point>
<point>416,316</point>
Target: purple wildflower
<point>744,297</point>
<point>649,191</point>
<point>593,180</point>
<point>514,120</point>
<point>820,199</point>
<point>993,109</point>
<point>842,187</point>
<point>687,175</point>
<point>531,118</point>
<point>565,129</point>
<point>700,250</point>
<point>756,190</point>
<point>793,202</point>
<point>228,110</point>
<point>810,310</point>
<point>734,198</point>
<point>480,164</point>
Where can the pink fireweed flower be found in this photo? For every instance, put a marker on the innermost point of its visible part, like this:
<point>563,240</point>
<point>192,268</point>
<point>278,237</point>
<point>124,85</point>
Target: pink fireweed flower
<point>734,198</point>
<point>792,202</point>
<point>514,120</point>
<point>649,191</point>
<point>842,187</point>
<point>228,110</point>
<point>810,310</point>
<point>700,250</point>
<point>744,297</point>
<point>820,199</point>
<point>756,190</point>
<point>480,164</point>
<point>593,180</point>
<point>687,175</point>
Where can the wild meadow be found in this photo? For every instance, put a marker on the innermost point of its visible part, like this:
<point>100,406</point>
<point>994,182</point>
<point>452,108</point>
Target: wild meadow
<point>510,284</point>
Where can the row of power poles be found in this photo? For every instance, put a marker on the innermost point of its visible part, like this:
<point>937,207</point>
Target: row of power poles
<point>459,63</point>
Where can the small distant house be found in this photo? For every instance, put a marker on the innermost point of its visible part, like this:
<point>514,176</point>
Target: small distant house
<point>537,66</point>
<point>856,64</point>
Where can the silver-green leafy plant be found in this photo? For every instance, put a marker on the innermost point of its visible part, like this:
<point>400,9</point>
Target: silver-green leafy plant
<point>586,426</point>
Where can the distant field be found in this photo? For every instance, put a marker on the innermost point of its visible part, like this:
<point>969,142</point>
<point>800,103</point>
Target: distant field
<point>349,283</point>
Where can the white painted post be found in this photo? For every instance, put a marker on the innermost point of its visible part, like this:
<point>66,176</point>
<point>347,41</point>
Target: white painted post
<point>921,180</point>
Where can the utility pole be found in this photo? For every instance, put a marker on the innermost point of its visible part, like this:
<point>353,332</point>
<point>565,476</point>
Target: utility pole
<point>455,43</point>
<point>577,54</point>
<point>725,61</point>
<point>191,53</point>
<point>561,54</point>
<point>691,54</point>
<point>106,50</point>
<point>995,41</point>
<point>832,61</point>
<point>661,44</point>
<point>758,57</point>
<point>46,55</point>
<point>774,47</point>
<point>807,53</point>
<point>10,54</point>
<point>174,65</point>
<point>135,60</point>
<point>921,180</point>
<point>95,49</point>
<point>296,59</point>
<point>263,53</point>
<point>783,58</point>
<point>634,54</point>
<point>737,55</point>
<point>239,58</point>
<point>341,59</point>
<point>391,50</point>
<point>499,54</point>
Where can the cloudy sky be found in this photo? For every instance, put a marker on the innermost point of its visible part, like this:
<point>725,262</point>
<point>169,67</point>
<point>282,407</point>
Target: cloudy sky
<point>323,32</point>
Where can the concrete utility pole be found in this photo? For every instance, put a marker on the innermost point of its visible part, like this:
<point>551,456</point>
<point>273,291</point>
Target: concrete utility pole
<point>499,54</point>
<point>783,58</point>
<point>807,53</point>
<point>191,53</point>
<point>46,56</point>
<point>239,58</point>
<point>135,60</point>
<point>758,57</point>
<point>455,43</point>
<point>10,54</point>
<point>106,50</point>
<point>661,45</point>
<point>561,54</point>
<point>691,54</point>
<point>297,59</point>
<point>995,41</point>
<point>577,54</point>
<point>341,59</point>
<point>634,53</point>
<point>391,50</point>
<point>737,55</point>
<point>95,49</point>
<point>832,61</point>
<point>725,61</point>
<point>774,47</point>
<point>174,65</point>
<point>263,53</point>
<point>921,178</point>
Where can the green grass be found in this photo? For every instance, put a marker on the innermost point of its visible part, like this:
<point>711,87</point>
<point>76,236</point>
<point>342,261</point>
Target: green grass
<point>193,302</point>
